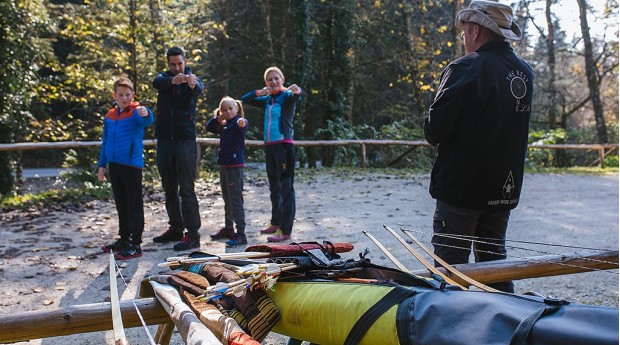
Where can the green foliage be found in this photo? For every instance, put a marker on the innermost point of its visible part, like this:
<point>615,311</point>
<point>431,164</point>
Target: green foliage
<point>85,192</point>
<point>24,51</point>
<point>543,157</point>
<point>338,155</point>
<point>84,161</point>
<point>7,181</point>
<point>368,70</point>
<point>378,155</point>
<point>611,161</point>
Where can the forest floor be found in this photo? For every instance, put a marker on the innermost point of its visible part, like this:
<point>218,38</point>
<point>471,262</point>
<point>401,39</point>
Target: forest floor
<point>50,257</point>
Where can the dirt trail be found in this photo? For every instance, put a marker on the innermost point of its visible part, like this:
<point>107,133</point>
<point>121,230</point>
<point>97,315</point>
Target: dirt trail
<point>50,259</point>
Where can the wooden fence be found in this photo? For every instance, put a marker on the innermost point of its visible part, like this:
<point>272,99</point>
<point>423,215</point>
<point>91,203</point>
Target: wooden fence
<point>602,149</point>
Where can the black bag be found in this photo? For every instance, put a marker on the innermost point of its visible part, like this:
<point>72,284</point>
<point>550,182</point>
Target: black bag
<point>474,317</point>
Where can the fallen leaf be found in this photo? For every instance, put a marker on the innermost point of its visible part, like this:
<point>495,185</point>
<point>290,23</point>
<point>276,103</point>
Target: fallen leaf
<point>48,302</point>
<point>38,289</point>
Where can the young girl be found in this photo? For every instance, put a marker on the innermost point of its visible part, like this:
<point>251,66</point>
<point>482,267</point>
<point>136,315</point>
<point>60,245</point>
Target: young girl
<point>279,104</point>
<point>230,124</point>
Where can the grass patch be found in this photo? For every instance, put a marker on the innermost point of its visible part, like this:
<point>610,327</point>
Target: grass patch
<point>86,192</point>
<point>574,170</point>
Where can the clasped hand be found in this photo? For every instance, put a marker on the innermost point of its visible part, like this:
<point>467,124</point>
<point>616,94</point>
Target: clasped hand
<point>190,79</point>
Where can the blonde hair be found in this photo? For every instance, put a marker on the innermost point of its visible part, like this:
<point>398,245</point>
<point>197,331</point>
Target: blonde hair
<point>271,70</point>
<point>216,112</point>
<point>123,81</point>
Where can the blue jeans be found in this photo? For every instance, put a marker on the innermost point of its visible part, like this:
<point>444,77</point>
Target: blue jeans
<point>487,226</point>
<point>176,162</point>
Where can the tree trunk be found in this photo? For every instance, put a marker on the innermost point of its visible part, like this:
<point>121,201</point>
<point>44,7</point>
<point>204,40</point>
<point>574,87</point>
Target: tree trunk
<point>157,45</point>
<point>226,58</point>
<point>591,74</point>
<point>550,40</point>
<point>460,51</point>
<point>284,33</point>
<point>266,9</point>
<point>133,29</point>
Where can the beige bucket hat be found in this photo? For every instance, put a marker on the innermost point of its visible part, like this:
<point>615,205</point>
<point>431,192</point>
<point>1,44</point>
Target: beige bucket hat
<point>493,16</point>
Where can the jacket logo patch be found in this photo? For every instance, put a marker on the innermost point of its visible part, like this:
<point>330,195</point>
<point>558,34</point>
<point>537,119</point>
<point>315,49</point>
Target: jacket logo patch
<point>518,88</point>
<point>509,187</point>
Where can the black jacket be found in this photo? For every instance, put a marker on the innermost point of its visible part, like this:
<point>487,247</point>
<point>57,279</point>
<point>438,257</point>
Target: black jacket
<point>176,107</point>
<point>479,121</point>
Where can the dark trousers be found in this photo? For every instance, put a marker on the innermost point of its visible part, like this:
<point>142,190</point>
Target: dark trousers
<point>280,162</point>
<point>176,162</point>
<point>489,228</point>
<point>231,181</point>
<point>127,188</point>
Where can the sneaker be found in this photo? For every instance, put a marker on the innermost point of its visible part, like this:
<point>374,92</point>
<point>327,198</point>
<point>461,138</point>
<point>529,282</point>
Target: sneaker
<point>169,236</point>
<point>187,243</point>
<point>132,251</point>
<point>224,233</point>
<point>279,237</point>
<point>116,246</point>
<point>237,240</point>
<point>271,229</point>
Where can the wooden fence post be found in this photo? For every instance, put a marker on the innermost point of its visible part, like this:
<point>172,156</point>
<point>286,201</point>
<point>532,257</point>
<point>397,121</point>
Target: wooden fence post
<point>363,155</point>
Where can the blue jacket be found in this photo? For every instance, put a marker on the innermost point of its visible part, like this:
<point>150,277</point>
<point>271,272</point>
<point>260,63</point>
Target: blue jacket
<point>232,139</point>
<point>279,114</point>
<point>176,107</point>
<point>123,135</point>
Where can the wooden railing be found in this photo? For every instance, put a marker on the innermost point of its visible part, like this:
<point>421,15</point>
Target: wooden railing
<point>602,149</point>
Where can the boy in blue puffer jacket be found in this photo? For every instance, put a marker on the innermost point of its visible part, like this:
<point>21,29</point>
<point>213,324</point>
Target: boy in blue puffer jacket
<point>121,153</point>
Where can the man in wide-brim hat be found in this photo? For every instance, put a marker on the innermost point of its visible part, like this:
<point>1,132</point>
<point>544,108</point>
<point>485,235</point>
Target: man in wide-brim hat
<point>479,121</point>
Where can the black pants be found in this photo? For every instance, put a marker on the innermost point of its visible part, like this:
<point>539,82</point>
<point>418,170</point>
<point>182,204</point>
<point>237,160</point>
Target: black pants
<point>231,181</point>
<point>127,188</point>
<point>280,162</point>
<point>489,224</point>
<point>176,162</point>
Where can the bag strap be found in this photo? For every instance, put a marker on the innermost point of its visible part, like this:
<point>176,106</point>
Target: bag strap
<point>525,326</point>
<point>359,329</point>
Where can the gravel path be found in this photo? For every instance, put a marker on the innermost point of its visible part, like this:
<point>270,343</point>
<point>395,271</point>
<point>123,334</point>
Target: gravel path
<point>50,259</point>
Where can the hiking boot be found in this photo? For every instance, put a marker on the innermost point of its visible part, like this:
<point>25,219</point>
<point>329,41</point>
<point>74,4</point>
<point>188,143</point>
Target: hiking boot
<point>279,237</point>
<point>116,246</point>
<point>187,243</point>
<point>169,236</point>
<point>271,229</point>
<point>132,251</point>
<point>224,233</point>
<point>237,240</point>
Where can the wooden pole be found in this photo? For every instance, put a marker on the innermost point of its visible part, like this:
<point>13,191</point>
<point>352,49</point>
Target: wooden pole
<point>535,267</point>
<point>601,156</point>
<point>98,317</point>
<point>363,155</point>
<point>77,319</point>
<point>164,333</point>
